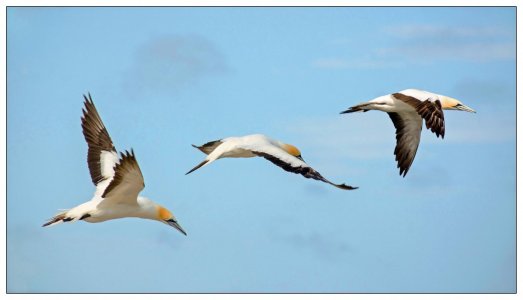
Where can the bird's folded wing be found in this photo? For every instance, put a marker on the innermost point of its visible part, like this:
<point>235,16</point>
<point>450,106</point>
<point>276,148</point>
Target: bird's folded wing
<point>432,112</point>
<point>127,181</point>
<point>429,109</point>
<point>408,131</point>
<point>290,163</point>
<point>101,154</point>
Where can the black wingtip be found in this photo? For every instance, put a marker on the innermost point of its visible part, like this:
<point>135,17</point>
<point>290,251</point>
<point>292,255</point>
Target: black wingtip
<point>88,98</point>
<point>343,186</point>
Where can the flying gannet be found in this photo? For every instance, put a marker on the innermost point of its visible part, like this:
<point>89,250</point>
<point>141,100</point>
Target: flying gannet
<point>283,155</point>
<point>118,181</point>
<point>407,109</point>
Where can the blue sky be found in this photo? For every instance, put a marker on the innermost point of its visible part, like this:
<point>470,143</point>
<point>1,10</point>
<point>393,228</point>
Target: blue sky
<point>165,78</point>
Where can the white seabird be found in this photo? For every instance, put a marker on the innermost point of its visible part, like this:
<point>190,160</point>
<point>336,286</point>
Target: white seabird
<point>283,155</point>
<point>118,181</point>
<point>407,110</point>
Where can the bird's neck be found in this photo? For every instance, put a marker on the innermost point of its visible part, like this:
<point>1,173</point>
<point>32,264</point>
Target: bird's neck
<point>148,208</point>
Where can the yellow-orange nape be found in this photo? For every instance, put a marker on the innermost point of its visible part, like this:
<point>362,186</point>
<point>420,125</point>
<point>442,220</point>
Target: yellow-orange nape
<point>291,150</point>
<point>164,213</point>
<point>448,102</point>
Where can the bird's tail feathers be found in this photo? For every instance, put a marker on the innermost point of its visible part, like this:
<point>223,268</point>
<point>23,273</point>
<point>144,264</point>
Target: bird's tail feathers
<point>57,219</point>
<point>360,107</point>
<point>197,167</point>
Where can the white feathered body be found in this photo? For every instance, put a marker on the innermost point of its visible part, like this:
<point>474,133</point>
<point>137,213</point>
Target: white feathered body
<point>100,212</point>
<point>388,103</point>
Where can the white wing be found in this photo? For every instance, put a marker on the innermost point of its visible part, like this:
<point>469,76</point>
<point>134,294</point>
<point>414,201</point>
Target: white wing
<point>126,183</point>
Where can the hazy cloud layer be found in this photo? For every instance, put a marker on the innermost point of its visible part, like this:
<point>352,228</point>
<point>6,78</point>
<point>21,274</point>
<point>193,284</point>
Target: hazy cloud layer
<point>372,136</point>
<point>169,64</point>
<point>425,44</point>
<point>410,31</point>
<point>438,42</point>
<point>320,245</point>
<point>426,52</point>
<point>493,93</point>
<point>364,63</point>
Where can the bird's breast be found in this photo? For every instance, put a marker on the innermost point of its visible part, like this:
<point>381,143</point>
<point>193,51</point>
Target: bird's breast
<point>115,211</point>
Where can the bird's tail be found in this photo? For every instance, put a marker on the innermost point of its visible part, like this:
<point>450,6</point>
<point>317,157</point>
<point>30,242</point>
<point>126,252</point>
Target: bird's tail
<point>197,167</point>
<point>360,107</point>
<point>57,219</point>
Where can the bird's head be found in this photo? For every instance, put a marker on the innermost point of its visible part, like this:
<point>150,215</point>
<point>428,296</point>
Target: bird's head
<point>292,150</point>
<point>166,217</point>
<point>454,104</point>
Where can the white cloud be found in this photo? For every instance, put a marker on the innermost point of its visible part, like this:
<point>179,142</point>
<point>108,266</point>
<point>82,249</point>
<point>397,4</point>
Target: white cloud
<point>426,44</point>
<point>421,42</point>
<point>465,51</point>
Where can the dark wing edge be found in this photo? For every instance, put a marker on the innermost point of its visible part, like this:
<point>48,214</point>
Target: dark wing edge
<point>126,164</point>
<point>209,147</point>
<point>431,112</point>
<point>404,154</point>
<point>306,172</point>
<point>97,139</point>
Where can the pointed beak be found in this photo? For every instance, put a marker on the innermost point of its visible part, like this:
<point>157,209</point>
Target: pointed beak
<point>300,158</point>
<point>465,108</point>
<point>174,223</point>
